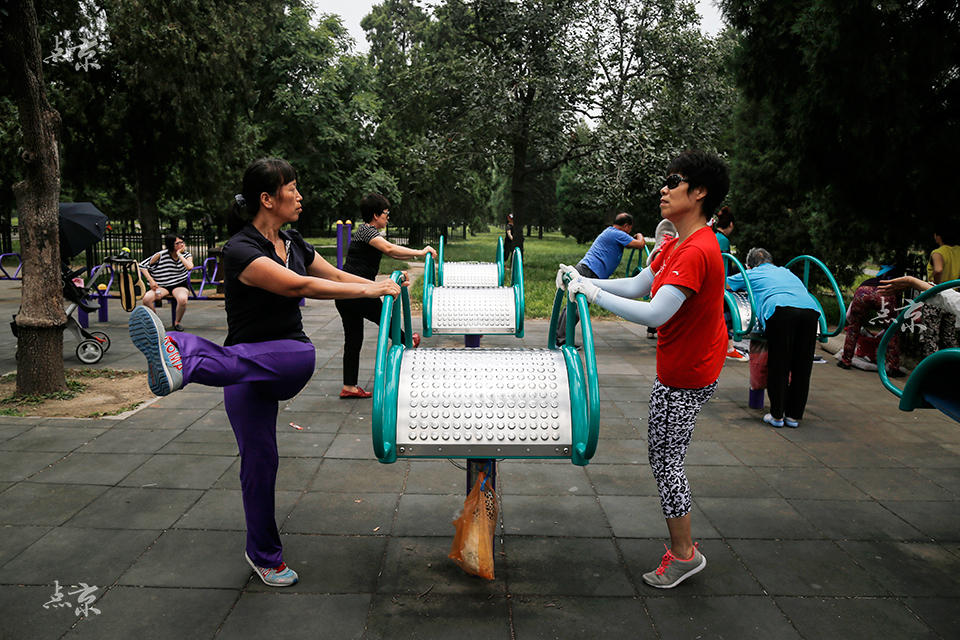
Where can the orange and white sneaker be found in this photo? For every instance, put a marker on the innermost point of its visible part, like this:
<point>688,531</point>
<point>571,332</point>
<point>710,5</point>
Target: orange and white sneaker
<point>737,355</point>
<point>282,576</point>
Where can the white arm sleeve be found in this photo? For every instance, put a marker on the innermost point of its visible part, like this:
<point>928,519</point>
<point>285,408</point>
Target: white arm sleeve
<point>635,287</point>
<point>652,314</point>
<point>948,300</point>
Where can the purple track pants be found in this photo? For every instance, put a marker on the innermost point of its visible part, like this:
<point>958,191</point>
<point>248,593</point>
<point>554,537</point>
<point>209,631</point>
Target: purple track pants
<point>255,377</point>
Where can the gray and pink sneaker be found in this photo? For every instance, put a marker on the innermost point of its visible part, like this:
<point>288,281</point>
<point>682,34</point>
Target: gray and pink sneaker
<point>164,367</point>
<point>282,576</point>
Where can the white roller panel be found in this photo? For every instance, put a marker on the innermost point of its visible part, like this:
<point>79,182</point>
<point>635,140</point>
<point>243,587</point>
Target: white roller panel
<point>482,311</point>
<point>471,274</point>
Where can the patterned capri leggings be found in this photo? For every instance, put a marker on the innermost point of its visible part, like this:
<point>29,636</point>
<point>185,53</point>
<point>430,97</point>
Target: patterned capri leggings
<point>673,415</point>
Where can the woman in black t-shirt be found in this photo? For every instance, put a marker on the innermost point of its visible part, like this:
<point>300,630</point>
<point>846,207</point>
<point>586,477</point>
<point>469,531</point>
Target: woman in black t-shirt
<point>367,246</point>
<point>266,356</point>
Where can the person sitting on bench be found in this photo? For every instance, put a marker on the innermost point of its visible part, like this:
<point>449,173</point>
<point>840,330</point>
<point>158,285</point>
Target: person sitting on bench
<point>169,274</point>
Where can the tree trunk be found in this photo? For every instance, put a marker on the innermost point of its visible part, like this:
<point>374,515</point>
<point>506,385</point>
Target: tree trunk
<point>41,319</point>
<point>518,189</point>
<point>147,210</point>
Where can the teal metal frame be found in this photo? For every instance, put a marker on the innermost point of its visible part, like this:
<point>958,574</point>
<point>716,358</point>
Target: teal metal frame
<point>931,367</point>
<point>754,322</point>
<point>641,261</point>
<point>516,282</point>
<point>583,381</point>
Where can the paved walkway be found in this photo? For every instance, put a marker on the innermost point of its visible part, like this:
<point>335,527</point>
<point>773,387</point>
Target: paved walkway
<point>848,527</point>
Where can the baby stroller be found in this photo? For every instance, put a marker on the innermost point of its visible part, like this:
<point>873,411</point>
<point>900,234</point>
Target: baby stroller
<point>81,226</point>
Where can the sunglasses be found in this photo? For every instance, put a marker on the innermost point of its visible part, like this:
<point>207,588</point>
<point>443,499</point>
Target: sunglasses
<point>673,180</point>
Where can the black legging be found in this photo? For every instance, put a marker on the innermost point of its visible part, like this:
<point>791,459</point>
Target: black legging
<point>352,312</point>
<point>791,338</point>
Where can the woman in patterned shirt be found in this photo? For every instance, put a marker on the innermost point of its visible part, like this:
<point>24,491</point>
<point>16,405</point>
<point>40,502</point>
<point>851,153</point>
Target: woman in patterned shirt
<point>169,274</point>
<point>367,246</point>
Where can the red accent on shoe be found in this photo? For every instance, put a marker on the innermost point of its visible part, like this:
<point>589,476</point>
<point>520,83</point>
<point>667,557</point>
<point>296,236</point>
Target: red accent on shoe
<point>416,340</point>
<point>359,393</point>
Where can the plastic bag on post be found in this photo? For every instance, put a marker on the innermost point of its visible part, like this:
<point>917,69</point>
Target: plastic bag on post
<point>472,546</point>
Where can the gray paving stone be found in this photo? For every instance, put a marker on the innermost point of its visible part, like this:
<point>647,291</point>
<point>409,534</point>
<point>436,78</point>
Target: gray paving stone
<point>771,454</point>
<point>179,471</point>
<point>135,508</point>
<point>351,446</point>
<point>362,476</point>
<point>527,477</point>
<point>343,513</point>
<point>158,614</point>
<point>14,539</point>
<point>20,465</point>
<point>938,520</point>
<point>741,617</point>
<point>728,482</point>
<point>855,520</point>
<point>290,616</point>
<point>642,517</point>
<point>312,421</point>
<point>622,479</point>
<point>45,504</point>
<point>942,614</point>
<point>724,574</point>
<point>810,482</point>
<point>806,568</point>
<point>428,515</point>
<point>44,438</point>
<point>850,454</point>
<point>630,451</point>
<point>302,444</point>
<point>330,564</point>
<point>756,518</point>
<point>105,554</point>
<point>91,468</point>
<point>13,429</point>
<point>565,566</point>
<point>157,417</point>
<point>438,616</point>
<point>568,515</point>
<point>853,618</point>
<point>122,439</point>
<point>894,484</point>
<point>415,566</point>
<point>186,558</point>
<point>25,617</point>
<point>222,509</point>
<point>580,617</point>
<point>908,568</point>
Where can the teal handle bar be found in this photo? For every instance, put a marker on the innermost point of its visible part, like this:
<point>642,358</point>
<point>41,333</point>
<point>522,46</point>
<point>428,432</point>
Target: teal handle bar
<point>842,308</point>
<point>644,254</point>
<point>427,299</point>
<point>583,380</point>
<point>500,256</point>
<point>736,320</point>
<point>516,281</point>
<point>440,262</point>
<point>895,326</point>
<point>387,371</point>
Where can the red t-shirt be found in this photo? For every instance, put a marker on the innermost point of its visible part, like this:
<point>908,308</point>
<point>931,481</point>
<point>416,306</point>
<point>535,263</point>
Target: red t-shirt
<point>692,345</point>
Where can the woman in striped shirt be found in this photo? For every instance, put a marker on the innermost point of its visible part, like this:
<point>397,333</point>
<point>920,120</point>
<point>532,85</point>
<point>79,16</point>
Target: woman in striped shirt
<point>169,274</point>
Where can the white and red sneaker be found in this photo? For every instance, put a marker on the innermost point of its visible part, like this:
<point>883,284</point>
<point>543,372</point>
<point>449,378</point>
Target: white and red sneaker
<point>737,355</point>
<point>282,576</point>
<point>164,366</point>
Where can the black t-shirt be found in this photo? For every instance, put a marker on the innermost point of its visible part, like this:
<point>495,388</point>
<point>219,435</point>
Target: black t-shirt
<point>255,314</point>
<point>363,259</point>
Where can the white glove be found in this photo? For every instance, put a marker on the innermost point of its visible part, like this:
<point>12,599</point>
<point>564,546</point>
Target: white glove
<point>564,269</point>
<point>587,288</point>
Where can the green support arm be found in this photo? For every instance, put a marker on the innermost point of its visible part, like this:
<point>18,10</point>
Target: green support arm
<point>501,277</point>
<point>516,280</point>
<point>807,261</point>
<point>387,371</point>
<point>731,301</point>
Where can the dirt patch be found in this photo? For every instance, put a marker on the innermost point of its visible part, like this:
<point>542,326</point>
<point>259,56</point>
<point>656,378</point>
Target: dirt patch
<point>93,393</point>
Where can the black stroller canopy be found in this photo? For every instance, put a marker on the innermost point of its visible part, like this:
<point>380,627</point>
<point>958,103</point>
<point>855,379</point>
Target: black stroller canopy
<point>82,225</point>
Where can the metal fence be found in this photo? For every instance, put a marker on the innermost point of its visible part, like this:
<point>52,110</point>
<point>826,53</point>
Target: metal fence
<point>198,244</point>
<point>417,235</point>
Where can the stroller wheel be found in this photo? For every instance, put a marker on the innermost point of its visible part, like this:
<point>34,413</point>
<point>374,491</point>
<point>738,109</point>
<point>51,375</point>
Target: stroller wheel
<point>89,352</point>
<point>102,338</point>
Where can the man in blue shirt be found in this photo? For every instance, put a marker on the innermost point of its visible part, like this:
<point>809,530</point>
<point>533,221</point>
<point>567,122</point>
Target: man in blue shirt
<point>602,260</point>
<point>789,316</point>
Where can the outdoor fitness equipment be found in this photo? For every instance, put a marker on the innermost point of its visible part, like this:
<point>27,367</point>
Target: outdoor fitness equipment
<point>483,403</point>
<point>472,303</point>
<point>933,382</point>
<point>743,306</point>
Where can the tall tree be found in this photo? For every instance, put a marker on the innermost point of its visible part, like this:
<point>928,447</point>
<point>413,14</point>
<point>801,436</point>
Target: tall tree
<point>849,108</point>
<point>41,318</point>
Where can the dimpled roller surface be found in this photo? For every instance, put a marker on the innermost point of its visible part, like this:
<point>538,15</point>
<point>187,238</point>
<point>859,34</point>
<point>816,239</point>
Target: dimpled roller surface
<point>480,311</point>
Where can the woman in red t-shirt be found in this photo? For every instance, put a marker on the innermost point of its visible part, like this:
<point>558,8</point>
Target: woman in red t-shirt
<point>686,281</point>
